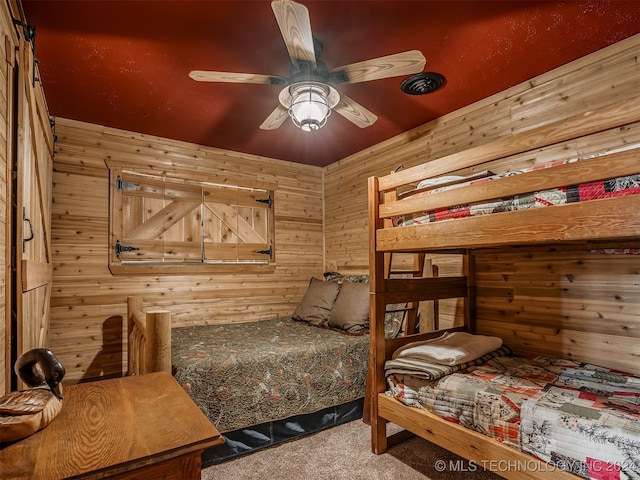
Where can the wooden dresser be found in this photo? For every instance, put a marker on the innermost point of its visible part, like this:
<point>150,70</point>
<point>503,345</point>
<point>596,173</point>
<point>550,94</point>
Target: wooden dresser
<point>142,427</point>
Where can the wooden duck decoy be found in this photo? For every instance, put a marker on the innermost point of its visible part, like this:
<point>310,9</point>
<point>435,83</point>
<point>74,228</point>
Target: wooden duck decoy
<point>24,412</point>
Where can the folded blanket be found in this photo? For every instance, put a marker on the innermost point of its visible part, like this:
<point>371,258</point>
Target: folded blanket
<point>434,371</point>
<point>450,349</point>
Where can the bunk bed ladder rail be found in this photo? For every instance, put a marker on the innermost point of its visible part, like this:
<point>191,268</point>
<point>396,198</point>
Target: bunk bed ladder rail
<point>413,320</point>
<point>411,309</point>
<point>386,290</point>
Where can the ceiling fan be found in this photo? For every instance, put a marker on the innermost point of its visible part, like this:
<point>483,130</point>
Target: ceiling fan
<point>308,95</point>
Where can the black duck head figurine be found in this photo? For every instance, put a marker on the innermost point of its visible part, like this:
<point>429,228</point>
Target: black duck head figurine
<point>41,368</point>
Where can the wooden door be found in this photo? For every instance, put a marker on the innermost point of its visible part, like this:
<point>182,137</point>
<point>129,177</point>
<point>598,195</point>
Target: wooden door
<point>32,210</point>
<point>7,89</point>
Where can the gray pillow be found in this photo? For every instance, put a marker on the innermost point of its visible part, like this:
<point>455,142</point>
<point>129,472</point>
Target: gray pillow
<point>351,310</point>
<point>317,302</point>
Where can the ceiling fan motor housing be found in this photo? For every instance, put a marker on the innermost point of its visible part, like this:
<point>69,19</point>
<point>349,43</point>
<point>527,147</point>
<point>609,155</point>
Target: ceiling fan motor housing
<point>305,71</point>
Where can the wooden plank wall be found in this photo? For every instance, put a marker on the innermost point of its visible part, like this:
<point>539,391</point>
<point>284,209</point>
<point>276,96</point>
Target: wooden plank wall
<point>603,78</point>
<point>88,302</point>
<point>578,304</point>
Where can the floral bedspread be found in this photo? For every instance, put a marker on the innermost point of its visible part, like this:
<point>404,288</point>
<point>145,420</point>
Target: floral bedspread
<point>578,417</point>
<point>250,373</point>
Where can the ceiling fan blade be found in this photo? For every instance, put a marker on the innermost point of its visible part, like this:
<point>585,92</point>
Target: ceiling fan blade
<point>295,26</point>
<point>275,119</point>
<point>404,63</point>
<point>228,77</point>
<point>354,112</point>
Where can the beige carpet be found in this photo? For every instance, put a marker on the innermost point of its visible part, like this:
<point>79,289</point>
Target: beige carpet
<point>344,453</point>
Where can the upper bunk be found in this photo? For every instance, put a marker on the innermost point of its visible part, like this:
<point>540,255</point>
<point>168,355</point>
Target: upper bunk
<point>448,203</point>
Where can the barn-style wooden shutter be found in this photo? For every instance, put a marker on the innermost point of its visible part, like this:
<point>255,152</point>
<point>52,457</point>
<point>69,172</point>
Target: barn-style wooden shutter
<point>236,224</point>
<point>157,220</point>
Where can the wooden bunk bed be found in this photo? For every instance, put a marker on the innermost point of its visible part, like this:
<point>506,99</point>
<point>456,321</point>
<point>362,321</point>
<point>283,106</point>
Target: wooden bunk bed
<point>408,223</point>
<point>264,382</point>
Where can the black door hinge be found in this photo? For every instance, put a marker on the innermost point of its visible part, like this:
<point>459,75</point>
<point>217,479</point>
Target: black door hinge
<point>123,248</point>
<point>268,201</point>
<point>120,184</point>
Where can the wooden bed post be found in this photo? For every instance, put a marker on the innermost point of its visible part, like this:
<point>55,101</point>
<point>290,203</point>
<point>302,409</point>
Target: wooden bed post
<point>377,310</point>
<point>158,347</point>
<point>134,304</point>
<point>148,339</point>
<point>469,271</point>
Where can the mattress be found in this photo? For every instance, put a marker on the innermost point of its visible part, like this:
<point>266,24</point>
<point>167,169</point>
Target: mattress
<point>579,417</point>
<point>247,374</point>
<point>613,187</point>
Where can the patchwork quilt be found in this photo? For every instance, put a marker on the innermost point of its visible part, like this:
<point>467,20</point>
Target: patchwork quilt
<point>249,373</point>
<point>628,185</point>
<point>578,417</point>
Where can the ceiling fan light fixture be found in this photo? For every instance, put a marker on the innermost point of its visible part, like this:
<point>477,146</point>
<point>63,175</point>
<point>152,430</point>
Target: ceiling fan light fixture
<point>310,107</point>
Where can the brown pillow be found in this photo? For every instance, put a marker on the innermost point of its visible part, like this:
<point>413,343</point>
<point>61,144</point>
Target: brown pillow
<point>351,310</point>
<point>317,302</point>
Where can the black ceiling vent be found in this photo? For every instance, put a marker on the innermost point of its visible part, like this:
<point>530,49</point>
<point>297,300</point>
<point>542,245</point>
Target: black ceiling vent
<point>422,83</point>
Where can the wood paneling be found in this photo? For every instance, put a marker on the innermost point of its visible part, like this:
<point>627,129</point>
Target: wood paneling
<point>576,304</point>
<point>89,304</point>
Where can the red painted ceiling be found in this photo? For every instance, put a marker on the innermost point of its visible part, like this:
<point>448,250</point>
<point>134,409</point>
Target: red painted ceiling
<point>125,64</point>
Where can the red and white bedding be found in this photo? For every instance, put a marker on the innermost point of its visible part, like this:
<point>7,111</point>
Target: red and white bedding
<point>578,417</point>
<point>614,187</point>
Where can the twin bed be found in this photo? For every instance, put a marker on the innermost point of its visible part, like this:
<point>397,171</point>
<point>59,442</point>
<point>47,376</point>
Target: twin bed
<point>575,416</point>
<point>551,392</point>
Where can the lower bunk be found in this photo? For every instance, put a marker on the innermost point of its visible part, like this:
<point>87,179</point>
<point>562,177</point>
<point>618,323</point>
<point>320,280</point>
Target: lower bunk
<point>519,416</point>
<point>264,382</point>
